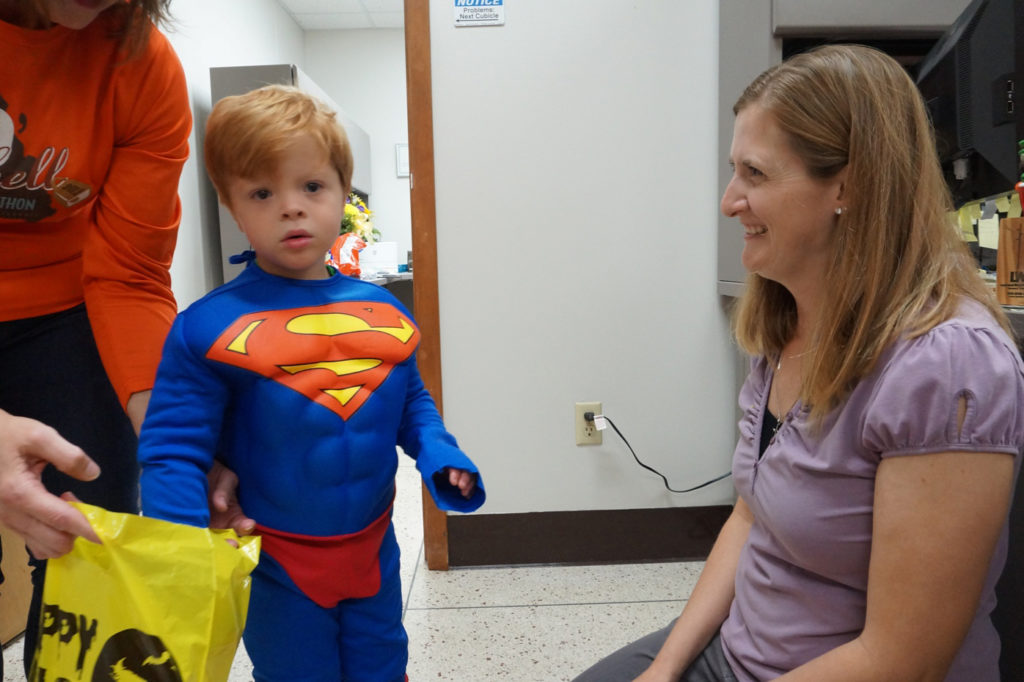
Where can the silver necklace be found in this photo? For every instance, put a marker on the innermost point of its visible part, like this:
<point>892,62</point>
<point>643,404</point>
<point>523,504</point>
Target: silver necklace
<point>778,363</point>
<point>778,368</point>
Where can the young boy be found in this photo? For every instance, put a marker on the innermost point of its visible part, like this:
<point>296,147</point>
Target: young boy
<point>301,381</point>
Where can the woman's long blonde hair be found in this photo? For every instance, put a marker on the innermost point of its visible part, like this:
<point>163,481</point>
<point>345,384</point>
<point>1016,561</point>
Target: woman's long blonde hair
<point>898,265</point>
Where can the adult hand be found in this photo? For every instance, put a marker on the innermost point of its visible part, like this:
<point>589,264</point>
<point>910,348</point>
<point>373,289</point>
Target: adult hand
<point>48,523</point>
<point>225,512</point>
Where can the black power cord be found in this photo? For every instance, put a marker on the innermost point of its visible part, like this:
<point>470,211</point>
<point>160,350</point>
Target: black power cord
<point>590,417</point>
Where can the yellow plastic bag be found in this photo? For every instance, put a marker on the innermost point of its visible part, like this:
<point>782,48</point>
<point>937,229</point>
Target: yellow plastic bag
<point>157,601</point>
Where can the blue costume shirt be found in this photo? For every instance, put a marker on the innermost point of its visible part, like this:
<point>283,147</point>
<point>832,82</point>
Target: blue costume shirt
<point>302,388</point>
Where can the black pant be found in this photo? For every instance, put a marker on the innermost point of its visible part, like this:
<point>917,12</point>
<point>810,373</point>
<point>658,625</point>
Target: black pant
<point>50,370</point>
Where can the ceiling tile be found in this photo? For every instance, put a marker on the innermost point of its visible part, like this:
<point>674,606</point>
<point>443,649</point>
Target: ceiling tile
<point>388,19</point>
<point>321,6</point>
<point>313,15</point>
<point>334,21</point>
<point>375,6</point>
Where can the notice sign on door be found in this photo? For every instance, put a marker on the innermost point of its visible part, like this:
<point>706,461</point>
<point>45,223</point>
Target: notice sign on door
<point>479,12</point>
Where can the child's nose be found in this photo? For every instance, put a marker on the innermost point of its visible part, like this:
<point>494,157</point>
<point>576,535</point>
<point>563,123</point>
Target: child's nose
<point>292,208</point>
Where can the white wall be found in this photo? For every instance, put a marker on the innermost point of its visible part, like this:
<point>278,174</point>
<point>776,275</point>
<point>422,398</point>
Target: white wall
<point>576,213</point>
<point>207,34</point>
<point>364,73</point>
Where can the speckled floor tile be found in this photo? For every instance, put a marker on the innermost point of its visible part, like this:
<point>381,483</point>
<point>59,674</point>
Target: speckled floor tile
<point>524,644</point>
<point>241,669</point>
<point>408,521</point>
<point>536,585</point>
<point>12,662</point>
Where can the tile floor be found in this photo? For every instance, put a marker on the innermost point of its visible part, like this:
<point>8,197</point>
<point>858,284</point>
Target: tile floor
<point>521,624</point>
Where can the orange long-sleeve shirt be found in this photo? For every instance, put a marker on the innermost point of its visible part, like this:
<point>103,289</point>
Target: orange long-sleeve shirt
<point>91,150</point>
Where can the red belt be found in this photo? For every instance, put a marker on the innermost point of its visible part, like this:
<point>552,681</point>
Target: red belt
<point>332,568</point>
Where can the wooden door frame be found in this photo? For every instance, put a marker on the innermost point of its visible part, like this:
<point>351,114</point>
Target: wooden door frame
<point>424,242</point>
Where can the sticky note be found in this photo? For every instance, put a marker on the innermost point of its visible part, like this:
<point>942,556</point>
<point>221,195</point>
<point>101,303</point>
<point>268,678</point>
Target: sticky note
<point>965,224</point>
<point>988,232</point>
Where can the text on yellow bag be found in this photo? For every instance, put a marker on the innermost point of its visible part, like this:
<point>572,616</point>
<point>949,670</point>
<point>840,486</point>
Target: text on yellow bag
<point>157,601</point>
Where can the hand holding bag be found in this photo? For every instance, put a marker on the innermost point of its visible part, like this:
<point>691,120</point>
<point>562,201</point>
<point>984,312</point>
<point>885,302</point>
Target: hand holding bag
<point>161,601</point>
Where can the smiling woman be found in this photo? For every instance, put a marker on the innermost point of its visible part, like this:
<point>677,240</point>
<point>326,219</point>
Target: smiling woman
<point>788,215</point>
<point>868,479</point>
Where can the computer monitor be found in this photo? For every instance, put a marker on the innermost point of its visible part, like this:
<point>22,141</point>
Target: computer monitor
<point>969,82</point>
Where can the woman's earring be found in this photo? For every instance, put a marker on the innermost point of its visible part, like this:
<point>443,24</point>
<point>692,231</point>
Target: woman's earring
<point>839,210</point>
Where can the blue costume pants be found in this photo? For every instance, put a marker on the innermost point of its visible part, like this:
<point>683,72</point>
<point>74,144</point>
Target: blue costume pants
<point>289,638</point>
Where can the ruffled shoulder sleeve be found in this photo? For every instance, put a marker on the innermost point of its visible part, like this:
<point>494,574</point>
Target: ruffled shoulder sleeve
<point>752,398</point>
<point>914,403</point>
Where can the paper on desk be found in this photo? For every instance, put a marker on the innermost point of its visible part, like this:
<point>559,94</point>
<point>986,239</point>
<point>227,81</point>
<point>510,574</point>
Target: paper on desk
<point>379,257</point>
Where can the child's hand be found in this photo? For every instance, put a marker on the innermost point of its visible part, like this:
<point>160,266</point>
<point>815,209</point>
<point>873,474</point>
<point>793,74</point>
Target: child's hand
<point>225,511</point>
<point>463,480</point>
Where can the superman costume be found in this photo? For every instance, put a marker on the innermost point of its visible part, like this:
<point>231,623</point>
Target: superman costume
<point>303,388</point>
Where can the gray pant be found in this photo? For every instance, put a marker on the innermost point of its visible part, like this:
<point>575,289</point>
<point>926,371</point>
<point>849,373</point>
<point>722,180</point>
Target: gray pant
<point>625,664</point>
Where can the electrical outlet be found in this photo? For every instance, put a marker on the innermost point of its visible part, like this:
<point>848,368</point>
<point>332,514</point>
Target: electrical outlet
<point>586,432</point>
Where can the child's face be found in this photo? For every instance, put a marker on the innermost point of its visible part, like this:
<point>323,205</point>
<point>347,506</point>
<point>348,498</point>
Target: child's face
<point>291,214</point>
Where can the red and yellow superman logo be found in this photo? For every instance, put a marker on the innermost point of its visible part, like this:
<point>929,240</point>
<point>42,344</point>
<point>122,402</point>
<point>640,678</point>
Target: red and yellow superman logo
<point>336,355</point>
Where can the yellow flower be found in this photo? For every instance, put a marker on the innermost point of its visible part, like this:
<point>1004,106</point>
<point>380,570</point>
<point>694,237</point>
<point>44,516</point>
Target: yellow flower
<point>356,219</point>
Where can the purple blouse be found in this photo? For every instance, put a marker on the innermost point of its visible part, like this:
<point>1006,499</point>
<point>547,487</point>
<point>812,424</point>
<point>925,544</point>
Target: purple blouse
<point>801,582</point>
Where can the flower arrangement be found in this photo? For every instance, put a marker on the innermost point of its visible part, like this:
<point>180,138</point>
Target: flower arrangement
<point>358,220</point>
<point>355,233</point>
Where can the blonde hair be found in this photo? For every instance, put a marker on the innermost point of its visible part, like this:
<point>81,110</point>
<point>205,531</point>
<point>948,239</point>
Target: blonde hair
<point>898,265</point>
<point>247,133</point>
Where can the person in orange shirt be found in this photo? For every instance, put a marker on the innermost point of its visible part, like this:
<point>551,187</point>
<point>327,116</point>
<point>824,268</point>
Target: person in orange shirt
<point>94,127</point>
